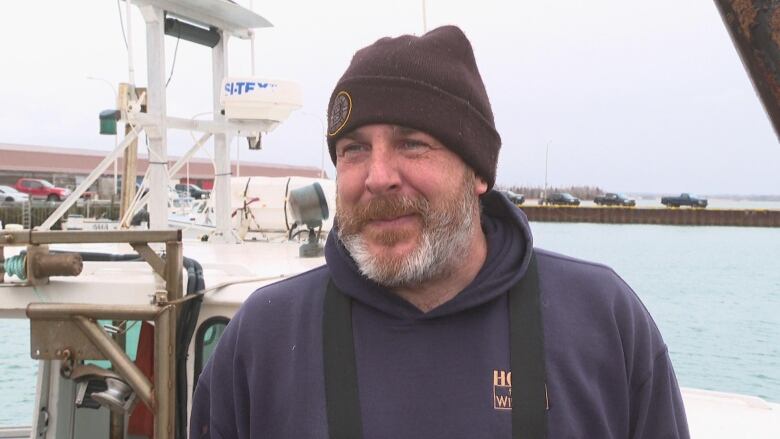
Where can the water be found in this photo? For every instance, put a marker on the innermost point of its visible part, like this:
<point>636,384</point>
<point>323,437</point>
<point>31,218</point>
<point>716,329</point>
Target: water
<point>713,291</point>
<point>17,374</point>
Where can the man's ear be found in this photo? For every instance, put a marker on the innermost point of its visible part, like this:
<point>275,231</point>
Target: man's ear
<point>480,185</point>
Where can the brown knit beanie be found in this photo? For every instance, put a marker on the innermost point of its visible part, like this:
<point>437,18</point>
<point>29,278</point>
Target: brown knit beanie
<point>430,83</point>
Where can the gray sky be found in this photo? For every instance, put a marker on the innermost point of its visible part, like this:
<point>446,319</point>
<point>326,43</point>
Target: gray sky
<point>630,96</point>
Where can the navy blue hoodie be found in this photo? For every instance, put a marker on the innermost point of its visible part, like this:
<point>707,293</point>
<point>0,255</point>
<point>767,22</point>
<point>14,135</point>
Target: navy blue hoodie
<point>444,374</point>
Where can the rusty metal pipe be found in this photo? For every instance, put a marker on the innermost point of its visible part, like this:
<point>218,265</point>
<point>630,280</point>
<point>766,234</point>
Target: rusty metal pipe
<point>64,311</point>
<point>754,26</point>
<point>165,373</point>
<point>135,378</point>
<point>173,267</point>
<point>60,264</point>
<point>23,237</point>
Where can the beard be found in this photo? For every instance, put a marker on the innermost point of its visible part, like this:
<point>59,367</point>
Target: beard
<point>443,240</point>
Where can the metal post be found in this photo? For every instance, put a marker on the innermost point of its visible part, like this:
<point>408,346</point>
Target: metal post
<point>116,428</point>
<point>127,92</point>
<point>164,373</point>
<point>221,191</point>
<point>173,267</point>
<point>156,106</point>
<point>755,31</point>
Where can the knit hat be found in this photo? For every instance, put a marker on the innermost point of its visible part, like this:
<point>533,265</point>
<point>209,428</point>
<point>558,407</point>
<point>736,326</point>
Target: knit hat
<point>430,83</point>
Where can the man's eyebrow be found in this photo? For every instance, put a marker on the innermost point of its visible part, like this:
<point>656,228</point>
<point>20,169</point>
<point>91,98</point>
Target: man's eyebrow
<point>404,131</point>
<point>359,135</point>
<point>356,135</point>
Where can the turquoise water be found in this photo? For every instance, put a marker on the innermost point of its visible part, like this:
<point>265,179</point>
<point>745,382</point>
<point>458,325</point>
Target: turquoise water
<point>713,291</point>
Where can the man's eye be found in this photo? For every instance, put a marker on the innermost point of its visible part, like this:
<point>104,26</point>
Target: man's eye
<point>352,149</point>
<point>414,145</point>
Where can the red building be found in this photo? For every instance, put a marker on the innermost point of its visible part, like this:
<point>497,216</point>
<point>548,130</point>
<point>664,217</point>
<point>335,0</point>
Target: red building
<point>68,167</point>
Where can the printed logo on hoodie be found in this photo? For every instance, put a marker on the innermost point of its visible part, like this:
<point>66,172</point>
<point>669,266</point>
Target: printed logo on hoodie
<point>502,390</point>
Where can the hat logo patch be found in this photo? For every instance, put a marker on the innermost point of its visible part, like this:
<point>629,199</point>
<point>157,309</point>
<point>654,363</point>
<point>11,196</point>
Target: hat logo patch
<point>339,113</point>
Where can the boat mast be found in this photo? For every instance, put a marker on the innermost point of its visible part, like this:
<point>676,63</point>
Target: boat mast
<point>218,20</point>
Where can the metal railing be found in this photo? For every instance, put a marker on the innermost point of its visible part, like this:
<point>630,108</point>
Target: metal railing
<point>33,213</point>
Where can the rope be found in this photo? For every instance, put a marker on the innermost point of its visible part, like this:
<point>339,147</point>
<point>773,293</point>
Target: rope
<point>15,266</point>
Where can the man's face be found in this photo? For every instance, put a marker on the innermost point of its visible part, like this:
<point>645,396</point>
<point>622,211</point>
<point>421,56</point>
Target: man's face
<point>406,205</point>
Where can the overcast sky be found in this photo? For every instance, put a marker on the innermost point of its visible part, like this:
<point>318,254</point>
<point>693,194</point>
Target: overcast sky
<point>630,96</point>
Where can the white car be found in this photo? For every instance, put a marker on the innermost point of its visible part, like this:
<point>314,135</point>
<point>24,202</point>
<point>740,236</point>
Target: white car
<point>7,193</point>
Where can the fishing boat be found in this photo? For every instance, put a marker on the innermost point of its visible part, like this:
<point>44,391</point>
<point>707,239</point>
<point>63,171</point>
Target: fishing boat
<point>122,321</point>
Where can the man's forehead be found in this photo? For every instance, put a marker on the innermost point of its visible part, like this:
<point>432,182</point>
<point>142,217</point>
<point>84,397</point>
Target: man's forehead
<point>396,130</point>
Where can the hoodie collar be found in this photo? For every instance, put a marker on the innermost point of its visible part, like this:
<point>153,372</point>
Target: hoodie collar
<point>509,245</point>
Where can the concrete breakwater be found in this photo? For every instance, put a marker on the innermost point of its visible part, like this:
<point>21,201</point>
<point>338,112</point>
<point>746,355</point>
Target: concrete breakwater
<point>633,215</point>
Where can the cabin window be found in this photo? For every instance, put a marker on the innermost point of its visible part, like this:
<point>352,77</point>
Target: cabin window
<point>206,338</point>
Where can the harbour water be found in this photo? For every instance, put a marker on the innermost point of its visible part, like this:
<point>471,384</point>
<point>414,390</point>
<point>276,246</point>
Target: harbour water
<point>713,291</point>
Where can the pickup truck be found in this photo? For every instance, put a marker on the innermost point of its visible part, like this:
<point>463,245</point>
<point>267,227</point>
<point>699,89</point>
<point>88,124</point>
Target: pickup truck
<point>560,199</point>
<point>38,188</point>
<point>611,199</point>
<point>684,200</point>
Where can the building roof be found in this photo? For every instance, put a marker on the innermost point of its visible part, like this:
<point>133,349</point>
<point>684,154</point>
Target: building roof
<point>34,158</point>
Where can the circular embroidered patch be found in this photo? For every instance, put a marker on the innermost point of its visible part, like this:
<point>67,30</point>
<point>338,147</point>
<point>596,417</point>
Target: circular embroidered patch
<point>339,112</point>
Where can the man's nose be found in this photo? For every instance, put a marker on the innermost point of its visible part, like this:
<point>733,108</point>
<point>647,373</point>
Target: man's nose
<point>383,173</point>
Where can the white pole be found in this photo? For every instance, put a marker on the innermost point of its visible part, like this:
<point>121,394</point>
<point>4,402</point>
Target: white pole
<point>221,191</point>
<point>156,106</point>
<point>130,69</point>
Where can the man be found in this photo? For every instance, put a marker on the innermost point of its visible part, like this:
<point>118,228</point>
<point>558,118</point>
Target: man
<point>434,306</point>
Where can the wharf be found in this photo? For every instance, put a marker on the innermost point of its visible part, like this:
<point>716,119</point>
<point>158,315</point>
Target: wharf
<point>670,216</point>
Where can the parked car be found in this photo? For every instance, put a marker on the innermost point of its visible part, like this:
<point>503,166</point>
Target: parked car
<point>192,190</point>
<point>685,200</point>
<point>38,188</point>
<point>515,198</point>
<point>7,193</point>
<point>560,199</point>
<point>612,199</point>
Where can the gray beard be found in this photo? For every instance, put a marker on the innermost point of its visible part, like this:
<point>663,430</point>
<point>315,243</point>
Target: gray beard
<point>445,240</point>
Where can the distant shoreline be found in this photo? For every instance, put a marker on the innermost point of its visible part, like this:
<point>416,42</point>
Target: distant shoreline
<point>732,197</point>
<point>588,192</point>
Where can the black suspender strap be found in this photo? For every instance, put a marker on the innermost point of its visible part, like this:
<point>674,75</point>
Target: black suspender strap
<point>526,356</point>
<point>529,392</point>
<point>341,392</point>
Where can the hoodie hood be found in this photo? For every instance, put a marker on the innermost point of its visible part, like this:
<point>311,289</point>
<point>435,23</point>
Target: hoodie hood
<point>509,245</point>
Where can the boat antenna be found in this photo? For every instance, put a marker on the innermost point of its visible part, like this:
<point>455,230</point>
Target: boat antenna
<point>252,41</point>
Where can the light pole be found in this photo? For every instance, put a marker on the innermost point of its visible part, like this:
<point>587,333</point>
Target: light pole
<point>116,139</point>
<point>424,17</point>
<point>322,136</point>
<point>546,157</point>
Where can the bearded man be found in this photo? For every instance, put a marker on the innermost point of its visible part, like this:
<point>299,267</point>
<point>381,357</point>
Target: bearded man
<point>434,316</point>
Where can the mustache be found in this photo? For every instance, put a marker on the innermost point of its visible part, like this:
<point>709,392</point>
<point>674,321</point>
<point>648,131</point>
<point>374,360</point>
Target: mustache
<point>389,207</point>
